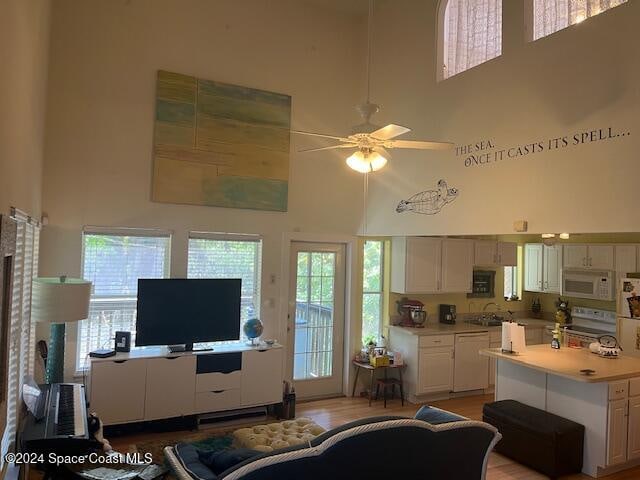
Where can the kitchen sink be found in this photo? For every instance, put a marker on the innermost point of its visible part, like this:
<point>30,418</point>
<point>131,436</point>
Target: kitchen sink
<point>486,322</point>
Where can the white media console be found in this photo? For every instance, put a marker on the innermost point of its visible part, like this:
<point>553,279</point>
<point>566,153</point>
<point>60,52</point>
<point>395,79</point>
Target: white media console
<point>152,383</point>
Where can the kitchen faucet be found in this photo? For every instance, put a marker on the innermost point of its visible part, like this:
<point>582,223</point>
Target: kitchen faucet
<point>484,309</point>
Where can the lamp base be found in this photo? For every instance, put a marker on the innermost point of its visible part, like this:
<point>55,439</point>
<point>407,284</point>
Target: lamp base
<point>55,357</point>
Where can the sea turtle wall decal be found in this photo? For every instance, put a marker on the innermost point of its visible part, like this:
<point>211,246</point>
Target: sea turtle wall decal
<point>429,202</point>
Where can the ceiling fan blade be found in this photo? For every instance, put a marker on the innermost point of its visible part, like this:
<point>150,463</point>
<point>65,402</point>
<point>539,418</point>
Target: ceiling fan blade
<point>383,151</point>
<point>389,132</point>
<point>419,145</point>
<point>330,147</point>
<point>312,134</point>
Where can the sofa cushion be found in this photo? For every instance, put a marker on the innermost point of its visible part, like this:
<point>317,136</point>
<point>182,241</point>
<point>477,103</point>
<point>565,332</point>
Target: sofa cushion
<point>435,416</point>
<point>190,460</point>
<point>222,460</point>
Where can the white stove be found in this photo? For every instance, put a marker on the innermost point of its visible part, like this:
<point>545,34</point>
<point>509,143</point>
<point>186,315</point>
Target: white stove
<point>588,324</point>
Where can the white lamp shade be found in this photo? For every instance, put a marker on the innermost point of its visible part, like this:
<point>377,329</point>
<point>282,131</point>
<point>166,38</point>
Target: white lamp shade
<point>60,300</point>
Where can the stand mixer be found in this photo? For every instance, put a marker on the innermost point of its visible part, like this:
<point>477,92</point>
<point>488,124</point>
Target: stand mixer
<point>411,313</point>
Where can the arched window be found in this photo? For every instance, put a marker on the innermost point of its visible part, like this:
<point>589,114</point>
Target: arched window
<point>549,16</point>
<point>470,34</point>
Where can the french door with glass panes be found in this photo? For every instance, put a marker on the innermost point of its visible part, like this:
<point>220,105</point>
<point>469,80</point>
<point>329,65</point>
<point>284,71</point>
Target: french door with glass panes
<point>316,318</point>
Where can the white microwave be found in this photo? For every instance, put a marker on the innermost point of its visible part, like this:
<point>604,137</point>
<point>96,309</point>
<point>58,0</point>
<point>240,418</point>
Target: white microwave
<point>593,284</point>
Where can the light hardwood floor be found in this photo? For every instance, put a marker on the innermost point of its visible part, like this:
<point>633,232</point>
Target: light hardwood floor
<point>336,411</point>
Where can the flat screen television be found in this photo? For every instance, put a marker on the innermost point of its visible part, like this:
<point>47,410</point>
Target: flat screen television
<point>177,311</point>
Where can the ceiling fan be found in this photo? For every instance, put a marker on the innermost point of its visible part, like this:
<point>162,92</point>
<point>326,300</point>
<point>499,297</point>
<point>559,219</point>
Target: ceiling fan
<point>372,141</point>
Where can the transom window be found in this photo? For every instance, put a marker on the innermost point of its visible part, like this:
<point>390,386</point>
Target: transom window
<point>471,34</point>
<point>549,16</point>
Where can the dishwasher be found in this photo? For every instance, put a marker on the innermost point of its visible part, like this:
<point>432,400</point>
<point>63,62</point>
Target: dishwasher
<point>471,370</point>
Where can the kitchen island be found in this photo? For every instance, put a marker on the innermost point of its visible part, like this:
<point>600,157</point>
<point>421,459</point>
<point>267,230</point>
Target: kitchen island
<point>606,402</point>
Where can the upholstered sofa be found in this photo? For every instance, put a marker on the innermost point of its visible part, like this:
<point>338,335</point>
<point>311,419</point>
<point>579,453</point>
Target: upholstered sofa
<point>435,444</point>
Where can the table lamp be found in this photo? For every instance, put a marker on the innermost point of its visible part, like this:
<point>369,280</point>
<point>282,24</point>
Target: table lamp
<point>58,300</point>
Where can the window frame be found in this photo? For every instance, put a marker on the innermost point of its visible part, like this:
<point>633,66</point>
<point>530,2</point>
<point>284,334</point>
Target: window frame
<point>383,284</point>
<point>441,42</point>
<point>80,365</point>
<point>529,18</point>
<point>258,266</point>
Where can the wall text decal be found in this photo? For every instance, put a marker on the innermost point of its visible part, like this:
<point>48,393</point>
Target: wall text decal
<point>486,152</point>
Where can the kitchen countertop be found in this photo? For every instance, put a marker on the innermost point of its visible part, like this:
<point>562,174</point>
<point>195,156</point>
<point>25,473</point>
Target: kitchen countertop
<point>567,362</point>
<point>464,327</point>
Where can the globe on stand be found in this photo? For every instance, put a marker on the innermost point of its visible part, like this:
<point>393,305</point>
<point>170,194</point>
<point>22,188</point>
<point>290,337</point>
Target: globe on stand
<point>253,328</point>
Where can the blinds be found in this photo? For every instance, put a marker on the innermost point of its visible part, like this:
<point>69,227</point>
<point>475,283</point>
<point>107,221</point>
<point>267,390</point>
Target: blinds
<point>472,34</point>
<point>21,330</point>
<point>549,16</point>
<point>114,262</point>
<point>212,256</point>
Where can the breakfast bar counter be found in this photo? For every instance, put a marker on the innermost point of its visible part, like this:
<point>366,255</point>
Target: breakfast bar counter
<point>606,402</point>
<point>568,363</point>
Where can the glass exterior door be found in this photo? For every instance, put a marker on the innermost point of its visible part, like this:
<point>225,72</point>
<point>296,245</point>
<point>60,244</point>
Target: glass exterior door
<point>316,318</point>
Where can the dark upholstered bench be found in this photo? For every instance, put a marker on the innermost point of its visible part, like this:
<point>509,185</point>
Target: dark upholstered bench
<point>538,439</point>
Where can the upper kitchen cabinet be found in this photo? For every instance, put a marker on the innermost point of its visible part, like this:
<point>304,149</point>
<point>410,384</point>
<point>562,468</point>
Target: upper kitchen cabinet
<point>493,253</point>
<point>431,265</point>
<point>457,265</point>
<point>533,267</point>
<point>551,268</point>
<point>542,268</point>
<point>626,258</point>
<point>596,257</point>
<point>415,264</point>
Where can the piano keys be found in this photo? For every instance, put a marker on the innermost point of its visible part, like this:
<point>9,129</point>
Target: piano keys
<point>59,423</point>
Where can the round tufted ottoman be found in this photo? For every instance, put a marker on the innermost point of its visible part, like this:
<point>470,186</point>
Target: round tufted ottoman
<point>272,436</point>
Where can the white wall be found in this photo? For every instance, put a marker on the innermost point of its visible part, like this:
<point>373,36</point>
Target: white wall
<point>24,47</point>
<point>582,78</point>
<point>104,59</point>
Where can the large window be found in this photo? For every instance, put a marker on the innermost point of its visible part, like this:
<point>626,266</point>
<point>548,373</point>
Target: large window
<point>225,256</point>
<point>372,289</point>
<point>471,34</point>
<point>549,16</point>
<point>114,262</point>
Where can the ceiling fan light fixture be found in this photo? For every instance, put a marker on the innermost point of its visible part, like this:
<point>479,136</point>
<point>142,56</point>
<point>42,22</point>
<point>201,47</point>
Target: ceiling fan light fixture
<point>365,162</point>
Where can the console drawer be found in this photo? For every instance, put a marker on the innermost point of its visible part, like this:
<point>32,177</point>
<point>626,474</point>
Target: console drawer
<point>436,341</point>
<point>217,400</point>
<point>207,382</point>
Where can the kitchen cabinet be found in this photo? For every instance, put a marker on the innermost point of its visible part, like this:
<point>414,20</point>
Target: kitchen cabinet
<point>435,369</point>
<point>493,253</point>
<point>617,432</point>
<point>601,257</point>
<point>626,258</point>
<point>633,441</point>
<point>575,256</point>
<point>457,265</point>
<point>428,361</point>
<point>551,268</point>
<point>415,264</point>
<point>533,267</point>
<point>542,268</point>
<point>623,433</point>
<point>431,265</point>
<point>594,256</point>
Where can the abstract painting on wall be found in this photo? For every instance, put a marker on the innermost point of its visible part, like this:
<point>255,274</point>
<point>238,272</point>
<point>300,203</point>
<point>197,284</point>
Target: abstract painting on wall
<point>220,145</point>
